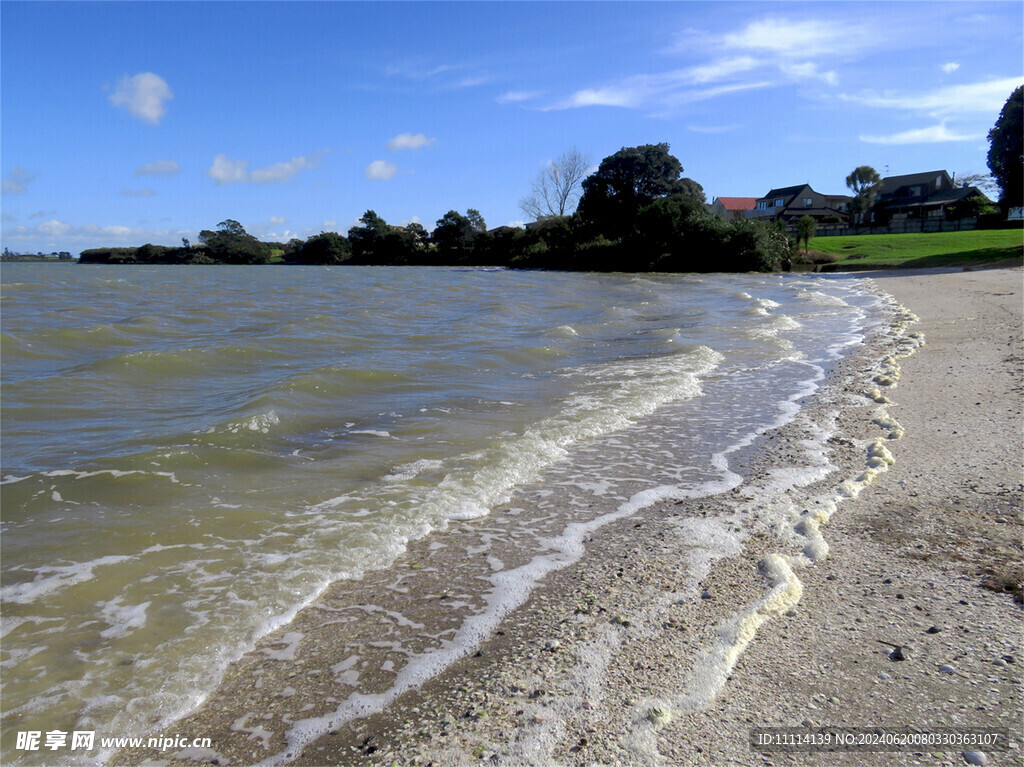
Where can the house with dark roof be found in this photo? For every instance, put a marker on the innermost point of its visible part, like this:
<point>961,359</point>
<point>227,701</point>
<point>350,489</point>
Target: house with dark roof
<point>790,203</point>
<point>732,208</point>
<point>919,195</point>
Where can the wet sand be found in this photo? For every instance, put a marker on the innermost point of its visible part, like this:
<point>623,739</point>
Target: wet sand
<point>654,649</point>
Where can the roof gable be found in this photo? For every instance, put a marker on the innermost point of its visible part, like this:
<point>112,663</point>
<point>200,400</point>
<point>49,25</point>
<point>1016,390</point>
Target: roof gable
<point>737,203</point>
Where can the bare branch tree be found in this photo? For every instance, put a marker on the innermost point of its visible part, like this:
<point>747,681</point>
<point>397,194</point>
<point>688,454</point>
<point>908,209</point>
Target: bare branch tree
<point>556,191</point>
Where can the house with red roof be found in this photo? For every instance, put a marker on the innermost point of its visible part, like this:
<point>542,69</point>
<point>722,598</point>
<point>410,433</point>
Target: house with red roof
<point>732,208</point>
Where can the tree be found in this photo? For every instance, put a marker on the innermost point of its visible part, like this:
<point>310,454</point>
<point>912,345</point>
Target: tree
<point>864,183</point>
<point>476,219</point>
<point>805,230</point>
<point>233,245</point>
<point>556,190</point>
<point>324,248</point>
<point>367,240</point>
<point>626,182</point>
<point>1006,150</point>
<point>455,235</point>
<point>983,182</point>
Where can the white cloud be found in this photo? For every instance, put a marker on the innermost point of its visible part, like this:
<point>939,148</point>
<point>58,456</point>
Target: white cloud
<point>808,71</point>
<point>143,95</point>
<point>158,168</point>
<point>53,228</point>
<point>803,39</point>
<point>720,69</point>
<point>224,170</point>
<point>56,234</point>
<point>17,181</point>
<point>278,221</point>
<point>138,193</point>
<point>380,170</point>
<point>513,97</point>
<point>950,67</point>
<point>604,97</point>
<point>227,171</point>
<point>410,141</point>
<point>985,98</point>
<point>934,134</point>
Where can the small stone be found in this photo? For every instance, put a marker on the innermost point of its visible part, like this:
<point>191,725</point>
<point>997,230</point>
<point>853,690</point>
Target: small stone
<point>834,701</point>
<point>883,676</point>
<point>1009,659</point>
<point>975,757</point>
<point>946,669</point>
<point>933,630</point>
<point>705,595</point>
<point>900,596</point>
<point>900,653</point>
<point>553,645</point>
<point>1002,520</point>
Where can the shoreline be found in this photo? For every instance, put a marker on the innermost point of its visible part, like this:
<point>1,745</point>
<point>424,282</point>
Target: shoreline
<point>590,668</point>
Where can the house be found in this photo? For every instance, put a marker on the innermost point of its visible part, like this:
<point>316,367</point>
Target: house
<point>789,204</point>
<point>732,208</point>
<point>919,195</point>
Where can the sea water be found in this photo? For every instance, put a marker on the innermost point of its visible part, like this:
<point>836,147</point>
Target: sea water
<point>193,454</point>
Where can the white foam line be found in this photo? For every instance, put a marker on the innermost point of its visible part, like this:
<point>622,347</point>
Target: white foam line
<point>785,589</point>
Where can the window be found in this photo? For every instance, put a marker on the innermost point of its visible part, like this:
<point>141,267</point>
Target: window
<point>780,202</point>
<point>762,204</point>
<point>808,202</point>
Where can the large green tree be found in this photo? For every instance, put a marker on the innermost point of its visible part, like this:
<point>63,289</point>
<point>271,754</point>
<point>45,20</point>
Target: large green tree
<point>1006,150</point>
<point>864,182</point>
<point>231,244</point>
<point>628,181</point>
<point>456,234</point>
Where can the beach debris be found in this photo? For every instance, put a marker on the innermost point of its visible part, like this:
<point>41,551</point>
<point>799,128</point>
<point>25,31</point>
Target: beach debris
<point>898,652</point>
<point>975,757</point>
<point>658,716</point>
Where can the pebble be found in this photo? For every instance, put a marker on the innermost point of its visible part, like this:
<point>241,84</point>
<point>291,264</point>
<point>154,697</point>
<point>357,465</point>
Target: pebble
<point>883,675</point>
<point>900,653</point>
<point>553,645</point>
<point>975,757</point>
<point>946,669</point>
<point>933,630</point>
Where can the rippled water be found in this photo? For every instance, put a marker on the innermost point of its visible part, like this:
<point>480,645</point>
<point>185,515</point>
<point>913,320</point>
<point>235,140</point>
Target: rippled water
<point>191,454</point>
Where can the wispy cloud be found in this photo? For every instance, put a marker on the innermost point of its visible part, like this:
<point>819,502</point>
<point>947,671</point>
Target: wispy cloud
<point>17,181</point>
<point>934,134</point>
<point>158,168</point>
<point>984,98</point>
<point>950,67</point>
<point>138,193</point>
<point>797,38</point>
<point>380,170</point>
<point>224,170</point>
<point>143,95</point>
<point>515,97</point>
<point>404,141</point>
<point>763,53</point>
<point>713,129</point>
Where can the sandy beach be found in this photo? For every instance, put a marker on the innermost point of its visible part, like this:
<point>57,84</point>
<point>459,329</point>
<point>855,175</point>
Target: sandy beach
<point>890,599</point>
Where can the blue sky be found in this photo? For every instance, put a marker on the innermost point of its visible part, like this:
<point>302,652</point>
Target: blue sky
<point>131,122</point>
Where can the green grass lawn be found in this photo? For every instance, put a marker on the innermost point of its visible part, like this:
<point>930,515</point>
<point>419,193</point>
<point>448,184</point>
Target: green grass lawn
<point>875,251</point>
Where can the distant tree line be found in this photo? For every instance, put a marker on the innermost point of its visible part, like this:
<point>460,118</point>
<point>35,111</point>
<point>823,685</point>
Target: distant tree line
<point>636,212</point>
<point>9,255</point>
